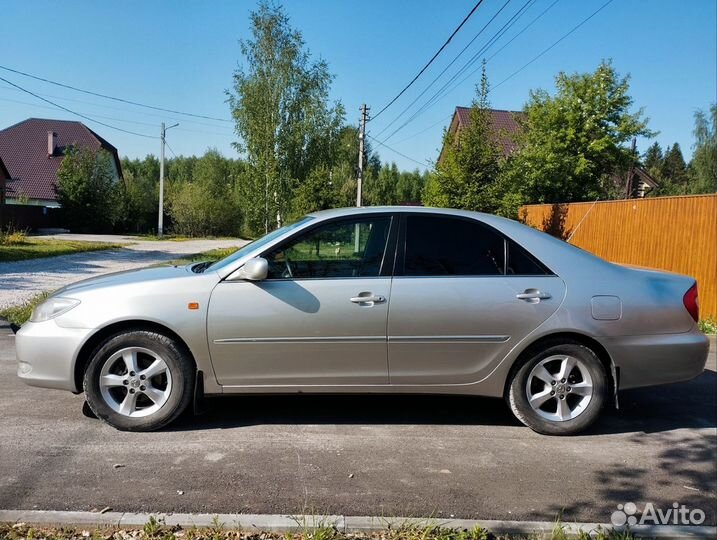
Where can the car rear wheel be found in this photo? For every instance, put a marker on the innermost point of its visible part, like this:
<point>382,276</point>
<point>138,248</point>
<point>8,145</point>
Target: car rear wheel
<point>559,389</point>
<point>139,381</point>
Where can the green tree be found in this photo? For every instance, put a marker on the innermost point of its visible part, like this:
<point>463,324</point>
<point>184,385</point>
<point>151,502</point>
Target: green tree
<point>137,195</point>
<point>673,177</point>
<point>318,192</point>
<point>86,189</point>
<point>652,159</point>
<point>703,167</point>
<point>282,114</point>
<point>573,143</point>
<point>466,175</point>
<point>204,201</point>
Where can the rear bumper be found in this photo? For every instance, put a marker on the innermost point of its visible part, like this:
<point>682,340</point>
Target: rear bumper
<point>46,354</point>
<point>658,359</point>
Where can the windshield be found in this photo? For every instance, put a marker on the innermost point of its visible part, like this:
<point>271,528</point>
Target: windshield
<point>257,244</point>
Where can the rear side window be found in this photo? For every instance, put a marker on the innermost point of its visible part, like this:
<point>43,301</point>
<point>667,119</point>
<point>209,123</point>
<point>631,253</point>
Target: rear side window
<point>444,246</point>
<point>522,263</point>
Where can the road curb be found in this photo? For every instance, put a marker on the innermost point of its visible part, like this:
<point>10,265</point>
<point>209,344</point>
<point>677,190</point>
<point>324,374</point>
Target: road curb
<point>346,524</point>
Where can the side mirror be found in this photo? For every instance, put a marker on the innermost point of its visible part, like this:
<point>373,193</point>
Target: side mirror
<point>255,269</point>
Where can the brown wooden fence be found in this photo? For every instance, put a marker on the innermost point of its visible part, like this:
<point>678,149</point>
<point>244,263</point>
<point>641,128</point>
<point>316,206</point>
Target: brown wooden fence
<point>678,234</point>
<point>24,216</point>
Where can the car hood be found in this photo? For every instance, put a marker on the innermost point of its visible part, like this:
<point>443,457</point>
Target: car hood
<point>141,275</point>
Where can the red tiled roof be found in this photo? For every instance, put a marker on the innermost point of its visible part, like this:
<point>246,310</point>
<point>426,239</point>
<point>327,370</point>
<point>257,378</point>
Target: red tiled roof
<point>23,149</point>
<point>505,124</point>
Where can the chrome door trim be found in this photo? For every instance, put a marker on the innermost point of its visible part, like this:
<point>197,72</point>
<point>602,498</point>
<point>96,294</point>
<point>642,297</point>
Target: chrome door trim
<point>434,339</point>
<point>322,339</point>
<point>364,339</point>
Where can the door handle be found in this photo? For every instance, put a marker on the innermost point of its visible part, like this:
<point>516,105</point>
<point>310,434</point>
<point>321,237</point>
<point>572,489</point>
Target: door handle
<point>369,298</point>
<point>532,296</point>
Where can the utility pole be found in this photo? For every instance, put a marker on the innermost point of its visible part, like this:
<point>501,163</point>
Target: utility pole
<point>362,135</point>
<point>160,223</point>
<point>359,183</point>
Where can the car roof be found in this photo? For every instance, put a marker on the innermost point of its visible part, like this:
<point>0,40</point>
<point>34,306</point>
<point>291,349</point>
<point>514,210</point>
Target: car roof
<point>358,210</point>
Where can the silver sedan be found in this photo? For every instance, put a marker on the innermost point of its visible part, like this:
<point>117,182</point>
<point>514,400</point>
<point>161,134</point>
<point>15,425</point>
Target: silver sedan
<point>371,300</point>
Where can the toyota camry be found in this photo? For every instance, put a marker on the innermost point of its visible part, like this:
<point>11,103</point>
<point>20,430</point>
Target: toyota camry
<point>371,300</point>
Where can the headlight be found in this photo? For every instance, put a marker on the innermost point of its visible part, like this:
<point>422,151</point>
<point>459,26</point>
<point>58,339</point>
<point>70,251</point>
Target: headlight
<point>52,307</point>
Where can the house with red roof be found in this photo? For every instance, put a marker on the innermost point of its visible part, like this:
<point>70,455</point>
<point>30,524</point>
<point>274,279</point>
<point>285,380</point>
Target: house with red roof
<point>505,125</point>
<point>32,151</point>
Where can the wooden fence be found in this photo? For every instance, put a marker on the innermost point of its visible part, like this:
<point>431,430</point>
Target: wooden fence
<point>678,234</point>
<point>25,216</point>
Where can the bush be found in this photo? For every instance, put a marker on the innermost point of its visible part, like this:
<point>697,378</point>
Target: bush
<point>196,211</point>
<point>12,236</point>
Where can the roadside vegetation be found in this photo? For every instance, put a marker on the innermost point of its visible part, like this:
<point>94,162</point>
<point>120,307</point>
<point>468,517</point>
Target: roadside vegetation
<point>154,529</point>
<point>17,246</point>
<point>21,313</point>
<point>709,326</point>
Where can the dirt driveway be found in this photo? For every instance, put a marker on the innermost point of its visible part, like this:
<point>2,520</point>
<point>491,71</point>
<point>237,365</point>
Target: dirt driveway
<point>20,280</point>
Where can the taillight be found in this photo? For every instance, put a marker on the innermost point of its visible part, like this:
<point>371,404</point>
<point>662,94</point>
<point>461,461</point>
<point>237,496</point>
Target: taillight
<point>691,303</point>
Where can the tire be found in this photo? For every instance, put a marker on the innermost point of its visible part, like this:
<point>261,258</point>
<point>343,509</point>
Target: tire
<point>139,381</point>
<point>583,391</point>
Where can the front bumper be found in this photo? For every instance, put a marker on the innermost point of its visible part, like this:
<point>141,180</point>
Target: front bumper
<point>658,359</point>
<point>46,354</point>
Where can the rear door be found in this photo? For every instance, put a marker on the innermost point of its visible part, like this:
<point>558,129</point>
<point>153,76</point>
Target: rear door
<point>462,297</point>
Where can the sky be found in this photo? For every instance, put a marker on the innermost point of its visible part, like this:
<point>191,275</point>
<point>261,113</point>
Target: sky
<point>181,56</point>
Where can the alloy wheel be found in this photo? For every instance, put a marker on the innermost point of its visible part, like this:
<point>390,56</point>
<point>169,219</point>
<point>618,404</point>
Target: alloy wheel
<point>135,382</point>
<point>559,388</point>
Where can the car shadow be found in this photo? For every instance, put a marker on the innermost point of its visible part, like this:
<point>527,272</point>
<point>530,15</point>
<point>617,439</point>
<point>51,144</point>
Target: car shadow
<point>691,404</point>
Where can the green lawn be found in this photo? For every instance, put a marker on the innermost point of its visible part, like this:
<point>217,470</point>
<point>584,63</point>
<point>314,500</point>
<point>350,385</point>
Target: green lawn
<point>32,248</point>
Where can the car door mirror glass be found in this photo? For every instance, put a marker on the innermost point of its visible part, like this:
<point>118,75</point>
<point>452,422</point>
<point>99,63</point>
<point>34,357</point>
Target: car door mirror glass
<point>255,269</point>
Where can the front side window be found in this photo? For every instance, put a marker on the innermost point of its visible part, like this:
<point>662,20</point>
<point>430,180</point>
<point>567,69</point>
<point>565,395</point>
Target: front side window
<point>444,246</point>
<point>339,249</point>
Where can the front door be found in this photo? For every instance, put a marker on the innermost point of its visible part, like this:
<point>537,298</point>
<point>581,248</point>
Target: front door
<point>318,319</point>
<point>463,297</point>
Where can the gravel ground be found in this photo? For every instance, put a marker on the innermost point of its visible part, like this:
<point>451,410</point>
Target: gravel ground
<point>20,280</point>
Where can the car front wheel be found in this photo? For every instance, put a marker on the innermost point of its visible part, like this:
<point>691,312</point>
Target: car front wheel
<point>139,381</point>
<point>559,390</point>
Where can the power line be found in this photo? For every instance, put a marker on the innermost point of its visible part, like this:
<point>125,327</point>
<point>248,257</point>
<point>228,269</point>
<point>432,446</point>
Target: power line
<point>511,40</point>
<point>564,36</point>
<point>426,129</point>
<point>556,43</point>
<point>76,113</point>
<point>424,68</point>
<point>123,110</point>
<point>496,53</point>
<point>35,105</point>
<point>464,79</point>
<point>423,163</point>
<point>444,69</point>
<point>170,148</point>
<point>444,90</point>
<point>121,100</point>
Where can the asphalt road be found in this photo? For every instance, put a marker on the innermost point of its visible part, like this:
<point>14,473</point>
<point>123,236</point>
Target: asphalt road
<point>390,456</point>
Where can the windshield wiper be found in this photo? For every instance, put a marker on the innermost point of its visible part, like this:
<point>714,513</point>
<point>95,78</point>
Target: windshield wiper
<point>201,267</point>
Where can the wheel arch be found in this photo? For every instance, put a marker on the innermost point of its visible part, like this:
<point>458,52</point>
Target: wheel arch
<point>95,340</point>
<point>569,337</point>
